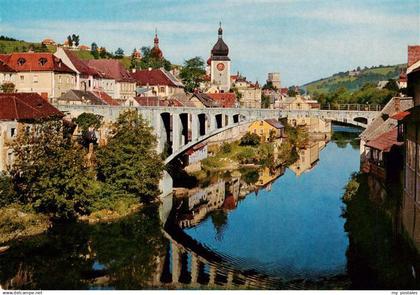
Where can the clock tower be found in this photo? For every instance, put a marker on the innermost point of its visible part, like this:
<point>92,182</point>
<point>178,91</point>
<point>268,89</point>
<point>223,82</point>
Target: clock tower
<point>220,64</point>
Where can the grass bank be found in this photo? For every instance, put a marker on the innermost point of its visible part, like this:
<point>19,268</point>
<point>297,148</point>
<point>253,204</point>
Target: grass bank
<point>17,222</point>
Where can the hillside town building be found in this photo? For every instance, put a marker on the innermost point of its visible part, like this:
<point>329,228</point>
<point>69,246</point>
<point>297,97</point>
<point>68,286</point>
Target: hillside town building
<point>42,73</point>
<point>274,79</point>
<point>18,112</point>
<point>249,93</point>
<point>157,82</point>
<point>87,78</point>
<point>125,84</point>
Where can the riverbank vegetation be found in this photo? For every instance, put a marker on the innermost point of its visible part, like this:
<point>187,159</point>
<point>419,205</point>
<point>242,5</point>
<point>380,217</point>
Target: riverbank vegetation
<point>50,176</point>
<point>250,151</point>
<point>379,257</point>
<point>123,254</point>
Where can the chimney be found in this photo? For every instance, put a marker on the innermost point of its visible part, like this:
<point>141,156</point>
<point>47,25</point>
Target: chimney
<point>397,104</point>
<point>413,55</point>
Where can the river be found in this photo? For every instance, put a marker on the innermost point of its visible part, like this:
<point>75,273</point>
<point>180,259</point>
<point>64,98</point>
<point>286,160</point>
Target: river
<point>278,229</point>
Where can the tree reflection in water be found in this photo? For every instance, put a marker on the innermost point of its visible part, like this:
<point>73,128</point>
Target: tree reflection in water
<point>120,255</point>
<point>219,219</point>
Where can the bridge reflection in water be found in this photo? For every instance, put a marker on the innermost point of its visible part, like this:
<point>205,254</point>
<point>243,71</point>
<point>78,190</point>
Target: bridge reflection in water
<point>190,264</point>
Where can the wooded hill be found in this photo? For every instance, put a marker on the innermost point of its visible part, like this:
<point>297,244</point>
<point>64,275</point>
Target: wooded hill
<point>354,80</point>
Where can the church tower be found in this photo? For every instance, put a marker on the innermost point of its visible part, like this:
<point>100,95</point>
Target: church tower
<point>155,51</point>
<point>220,64</point>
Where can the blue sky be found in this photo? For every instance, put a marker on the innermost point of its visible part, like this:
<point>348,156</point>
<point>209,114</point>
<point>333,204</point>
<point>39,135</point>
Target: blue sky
<point>304,40</point>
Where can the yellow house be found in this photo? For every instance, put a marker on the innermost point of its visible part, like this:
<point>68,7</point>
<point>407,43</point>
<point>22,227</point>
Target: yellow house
<point>267,129</point>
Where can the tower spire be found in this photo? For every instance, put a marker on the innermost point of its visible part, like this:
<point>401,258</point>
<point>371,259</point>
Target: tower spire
<point>220,30</point>
<point>156,40</point>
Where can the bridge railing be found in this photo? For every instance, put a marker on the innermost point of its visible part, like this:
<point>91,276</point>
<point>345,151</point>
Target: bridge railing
<point>352,107</point>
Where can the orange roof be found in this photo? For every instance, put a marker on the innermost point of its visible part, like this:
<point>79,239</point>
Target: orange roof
<point>35,61</point>
<point>385,141</point>
<point>399,116</point>
<point>84,47</point>
<point>26,106</point>
<point>105,98</point>
<point>225,100</point>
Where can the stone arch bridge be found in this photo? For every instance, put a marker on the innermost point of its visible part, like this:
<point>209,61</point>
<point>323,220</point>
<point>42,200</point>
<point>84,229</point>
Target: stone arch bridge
<point>179,128</point>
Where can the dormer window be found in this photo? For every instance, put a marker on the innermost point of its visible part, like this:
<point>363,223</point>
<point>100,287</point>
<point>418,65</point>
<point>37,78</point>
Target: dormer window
<point>21,61</point>
<point>42,61</point>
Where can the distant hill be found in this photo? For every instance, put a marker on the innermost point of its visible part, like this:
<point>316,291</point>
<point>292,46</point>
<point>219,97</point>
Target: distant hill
<point>12,45</point>
<point>7,46</point>
<point>354,80</point>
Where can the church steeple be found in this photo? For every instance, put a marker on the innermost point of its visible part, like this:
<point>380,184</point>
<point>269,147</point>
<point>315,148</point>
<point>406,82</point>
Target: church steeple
<point>220,48</point>
<point>220,31</point>
<point>156,52</point>
<point>156,40</point>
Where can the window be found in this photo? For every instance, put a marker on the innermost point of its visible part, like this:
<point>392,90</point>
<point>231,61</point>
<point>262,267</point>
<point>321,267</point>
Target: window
<point>35,79</point>
<point>42,61</point>
<point>22,78</point>
<point>21,61</point>
<point>12,132</point>
<point>161,89</point>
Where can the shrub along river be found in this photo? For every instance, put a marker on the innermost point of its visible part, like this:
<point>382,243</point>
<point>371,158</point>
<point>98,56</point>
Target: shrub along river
<point>268,228</point>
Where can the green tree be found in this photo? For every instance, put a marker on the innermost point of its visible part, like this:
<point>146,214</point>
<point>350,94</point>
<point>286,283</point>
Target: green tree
<point>250,139</point>
<point>7,193</point>
<point>192,73</point>
<point>119,53</point>
<point>69,41</point>
<point>392,86</point>
<point>269,85</point>
<point>94,50</point>
<point>148,61</point>
<point>76,40</point>
<point>292,91</point>
<point>49,172</point>
<point>265,101</point>
<point>129,162</point>
<point>102,52</point>
<point>8,87</point>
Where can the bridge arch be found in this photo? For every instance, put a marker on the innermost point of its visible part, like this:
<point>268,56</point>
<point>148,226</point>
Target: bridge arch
<point>362,120</point>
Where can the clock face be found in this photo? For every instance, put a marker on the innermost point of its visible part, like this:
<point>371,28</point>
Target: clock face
<point>220,66</point>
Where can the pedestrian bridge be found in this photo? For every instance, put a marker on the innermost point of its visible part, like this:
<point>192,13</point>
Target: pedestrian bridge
<point>179,128</point>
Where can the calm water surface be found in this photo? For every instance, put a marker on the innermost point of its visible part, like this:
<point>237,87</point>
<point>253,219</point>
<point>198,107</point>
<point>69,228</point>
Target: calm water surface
<point>282,226</point>
<point>294,230</point>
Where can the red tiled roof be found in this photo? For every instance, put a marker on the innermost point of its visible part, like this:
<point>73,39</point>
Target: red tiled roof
<point>81,66</point>
<point>31,61</point>
<point>283,90</point>
<point>155,77</point>
<point>399,116</point>
<point>5,68</point>
<point>105,98</point>
<point>385,141</point>
<point>112,68</point>
<point>156,101</point>
<point>26,106</point>
<point>275,123</point>
<point>225,100</point>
